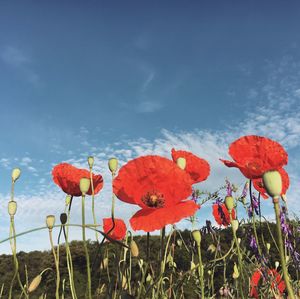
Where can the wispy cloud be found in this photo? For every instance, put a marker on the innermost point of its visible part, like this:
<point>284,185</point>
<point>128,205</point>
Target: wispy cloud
<point>18,59</point>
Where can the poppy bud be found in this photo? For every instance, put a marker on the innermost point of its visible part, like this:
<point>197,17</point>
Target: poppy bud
<point>236,273</point>
<point>141,262</point>
<point>193,266</point>
<point>197,236</point>
<point>12,208</point>
<point>84,185</point>
<point>149,278</point>
<point>15,174</point>
<point>113,165</point>
<point>212,248</point>
<point>68,200</point>
<point>276,264</point>
<point>104,263</point>
<point>268,246</point>
<point>272,183</point>
<point>209,272</point>
<point>239,240</point>
<point>179,242</point>
<point>229,202</point>
<point>91,161</point>
<point>50,221</point>
<point>181,162</point>
<point>134,249</point>
<point>35,283</point>
<point>235,225</point>
<point>63,218</point>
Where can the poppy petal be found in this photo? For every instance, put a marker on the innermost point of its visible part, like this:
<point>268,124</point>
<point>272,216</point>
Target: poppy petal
<point>149,220</point>
<point>196,167</point>
<point>67,177</point>
<point>119,230</point>
<point>152,173</point>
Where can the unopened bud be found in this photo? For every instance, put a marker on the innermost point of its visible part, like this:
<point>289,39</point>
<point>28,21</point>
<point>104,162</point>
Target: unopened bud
<point>236,273</point>
<point>212,248</point>
<point>276,264</point>
<point>35,283</point>
<point>272,183</point>
<point>50,221</point>
<point>134,249</point>
<point>104,263</point>
<point>209,272</point>
<point>239,240</point>
<point>84,185</point>
<point>179,242</point>
<point>68,200</point>
<point>15,174</point>
<point>268,246</point>
<point>235,225</point>
<point>181,162</point>
<point>113,165</point>
<point>12,208</point>
<point>91,161</point>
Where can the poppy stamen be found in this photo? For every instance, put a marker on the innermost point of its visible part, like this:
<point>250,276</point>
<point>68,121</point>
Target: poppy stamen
<point>153,199</point>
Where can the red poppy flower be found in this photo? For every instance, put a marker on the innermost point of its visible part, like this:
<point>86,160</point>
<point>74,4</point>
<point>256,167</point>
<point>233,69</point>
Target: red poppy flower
<point>258,184</point>
<point>196,167</point>
<point>254,155</point>
<point>221,214</point>
<point>275,278</point>
<point>119,230</point>
<point>159,187</point>
<point>67,177</point>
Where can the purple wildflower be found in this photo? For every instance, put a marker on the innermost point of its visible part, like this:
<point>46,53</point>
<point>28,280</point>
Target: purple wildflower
<point>253,243</point>
<point>228,188</point>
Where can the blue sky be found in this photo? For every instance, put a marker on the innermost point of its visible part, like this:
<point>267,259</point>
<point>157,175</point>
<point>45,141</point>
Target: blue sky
<point>128,78</point>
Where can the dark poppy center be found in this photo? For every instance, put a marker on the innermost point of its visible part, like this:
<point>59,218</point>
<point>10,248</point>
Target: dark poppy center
<point>153,199</point>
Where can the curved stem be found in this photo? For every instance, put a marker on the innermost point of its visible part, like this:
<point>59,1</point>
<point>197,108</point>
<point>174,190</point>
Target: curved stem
<point>200,270</point>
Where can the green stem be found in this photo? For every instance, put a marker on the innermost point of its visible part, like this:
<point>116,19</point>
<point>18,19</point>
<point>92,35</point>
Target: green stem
<point>93,202</point>
<point>281,250</point>
<point>200,270</point>
<point>86,249</point>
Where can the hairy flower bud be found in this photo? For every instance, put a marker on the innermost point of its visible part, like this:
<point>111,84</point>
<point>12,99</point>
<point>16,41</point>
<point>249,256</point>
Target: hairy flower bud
<point>235,225</point>
<point>134,249</point>
<point>35,283</point>
<point>181,162</point>
<point>276,264</point>
<point>84,185</point>
<point>272,183</point>
<point>236,273</point>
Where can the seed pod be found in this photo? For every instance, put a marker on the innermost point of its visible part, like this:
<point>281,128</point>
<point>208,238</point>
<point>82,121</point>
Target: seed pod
<point>91,161</point>
<point>272,183</point>
<point>181,162</point>
<point>63,218</point>
<point>50,221</point>
<point>35,283</point>
<point>134,249</point>
<point>229,202</point>
<point>15,174</point>
<point>113,165</point>
<point>84,185</point>
<point>12,208</point>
